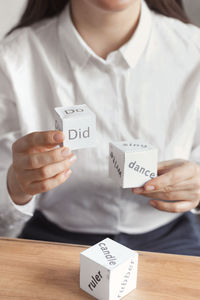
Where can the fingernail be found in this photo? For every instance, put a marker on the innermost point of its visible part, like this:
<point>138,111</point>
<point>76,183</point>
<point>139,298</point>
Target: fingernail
<point>68,173</point>
<point>152,203</point>
<point>73,158</point>
<point>149,188</point>
<point>65,152</point>
<point>58,137</point>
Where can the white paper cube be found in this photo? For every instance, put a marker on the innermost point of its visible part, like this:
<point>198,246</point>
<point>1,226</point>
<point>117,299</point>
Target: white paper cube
<point>108,270</point>
<point>78,123</point>
<point>132,164</point>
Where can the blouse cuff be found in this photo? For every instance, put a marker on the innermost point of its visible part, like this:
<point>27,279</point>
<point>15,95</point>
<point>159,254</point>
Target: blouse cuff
<point>196,210</point>
<point>8,206</point>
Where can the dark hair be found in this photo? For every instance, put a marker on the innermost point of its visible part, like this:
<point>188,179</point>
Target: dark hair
<point>37,10</point>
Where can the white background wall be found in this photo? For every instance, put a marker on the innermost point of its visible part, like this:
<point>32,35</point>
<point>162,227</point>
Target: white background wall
<point>193,10</point>
<point>10,11</point>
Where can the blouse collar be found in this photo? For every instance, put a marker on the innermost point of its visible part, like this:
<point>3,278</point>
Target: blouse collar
<point>79,52</point>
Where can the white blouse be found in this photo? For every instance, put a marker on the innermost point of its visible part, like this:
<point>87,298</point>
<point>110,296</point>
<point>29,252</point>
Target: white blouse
<point>148,89</point>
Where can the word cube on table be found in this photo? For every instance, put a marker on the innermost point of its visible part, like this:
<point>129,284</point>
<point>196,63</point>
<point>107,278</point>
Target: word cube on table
<point>78,123</point>
<point>108,270</point>
<point>132,164</point>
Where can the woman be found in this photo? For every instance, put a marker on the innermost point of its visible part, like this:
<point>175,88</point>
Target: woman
<point>139,72</point>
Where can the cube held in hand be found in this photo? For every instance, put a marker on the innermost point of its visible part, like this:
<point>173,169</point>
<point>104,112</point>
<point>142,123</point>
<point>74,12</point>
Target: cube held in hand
<point>108,270</point>
<point>78,124</point>
<point>132,164</point>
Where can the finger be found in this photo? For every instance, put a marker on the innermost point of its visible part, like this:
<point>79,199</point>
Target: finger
<point>187,185</point>
<point>173,196</point>
<point>37,160</point>
<point>174,207</point>
<point>48,171</point>
<point>38,139</point>
<point>172,177</point>
<point>48,184</point>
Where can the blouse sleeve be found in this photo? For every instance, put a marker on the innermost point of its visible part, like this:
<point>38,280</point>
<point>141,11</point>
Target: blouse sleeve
<point>12,217</point>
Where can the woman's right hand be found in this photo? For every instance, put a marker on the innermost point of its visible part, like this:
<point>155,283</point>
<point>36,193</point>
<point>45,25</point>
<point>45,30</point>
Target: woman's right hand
<point>37,165</point>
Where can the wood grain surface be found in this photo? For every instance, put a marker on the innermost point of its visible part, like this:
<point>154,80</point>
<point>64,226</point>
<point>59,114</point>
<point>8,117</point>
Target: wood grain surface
<point>32,270</point>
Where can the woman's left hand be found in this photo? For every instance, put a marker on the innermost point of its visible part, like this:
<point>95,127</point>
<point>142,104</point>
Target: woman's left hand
<point>178,183</point>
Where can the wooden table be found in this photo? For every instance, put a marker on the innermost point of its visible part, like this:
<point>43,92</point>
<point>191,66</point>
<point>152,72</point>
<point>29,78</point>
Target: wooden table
<point>32,270</point>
